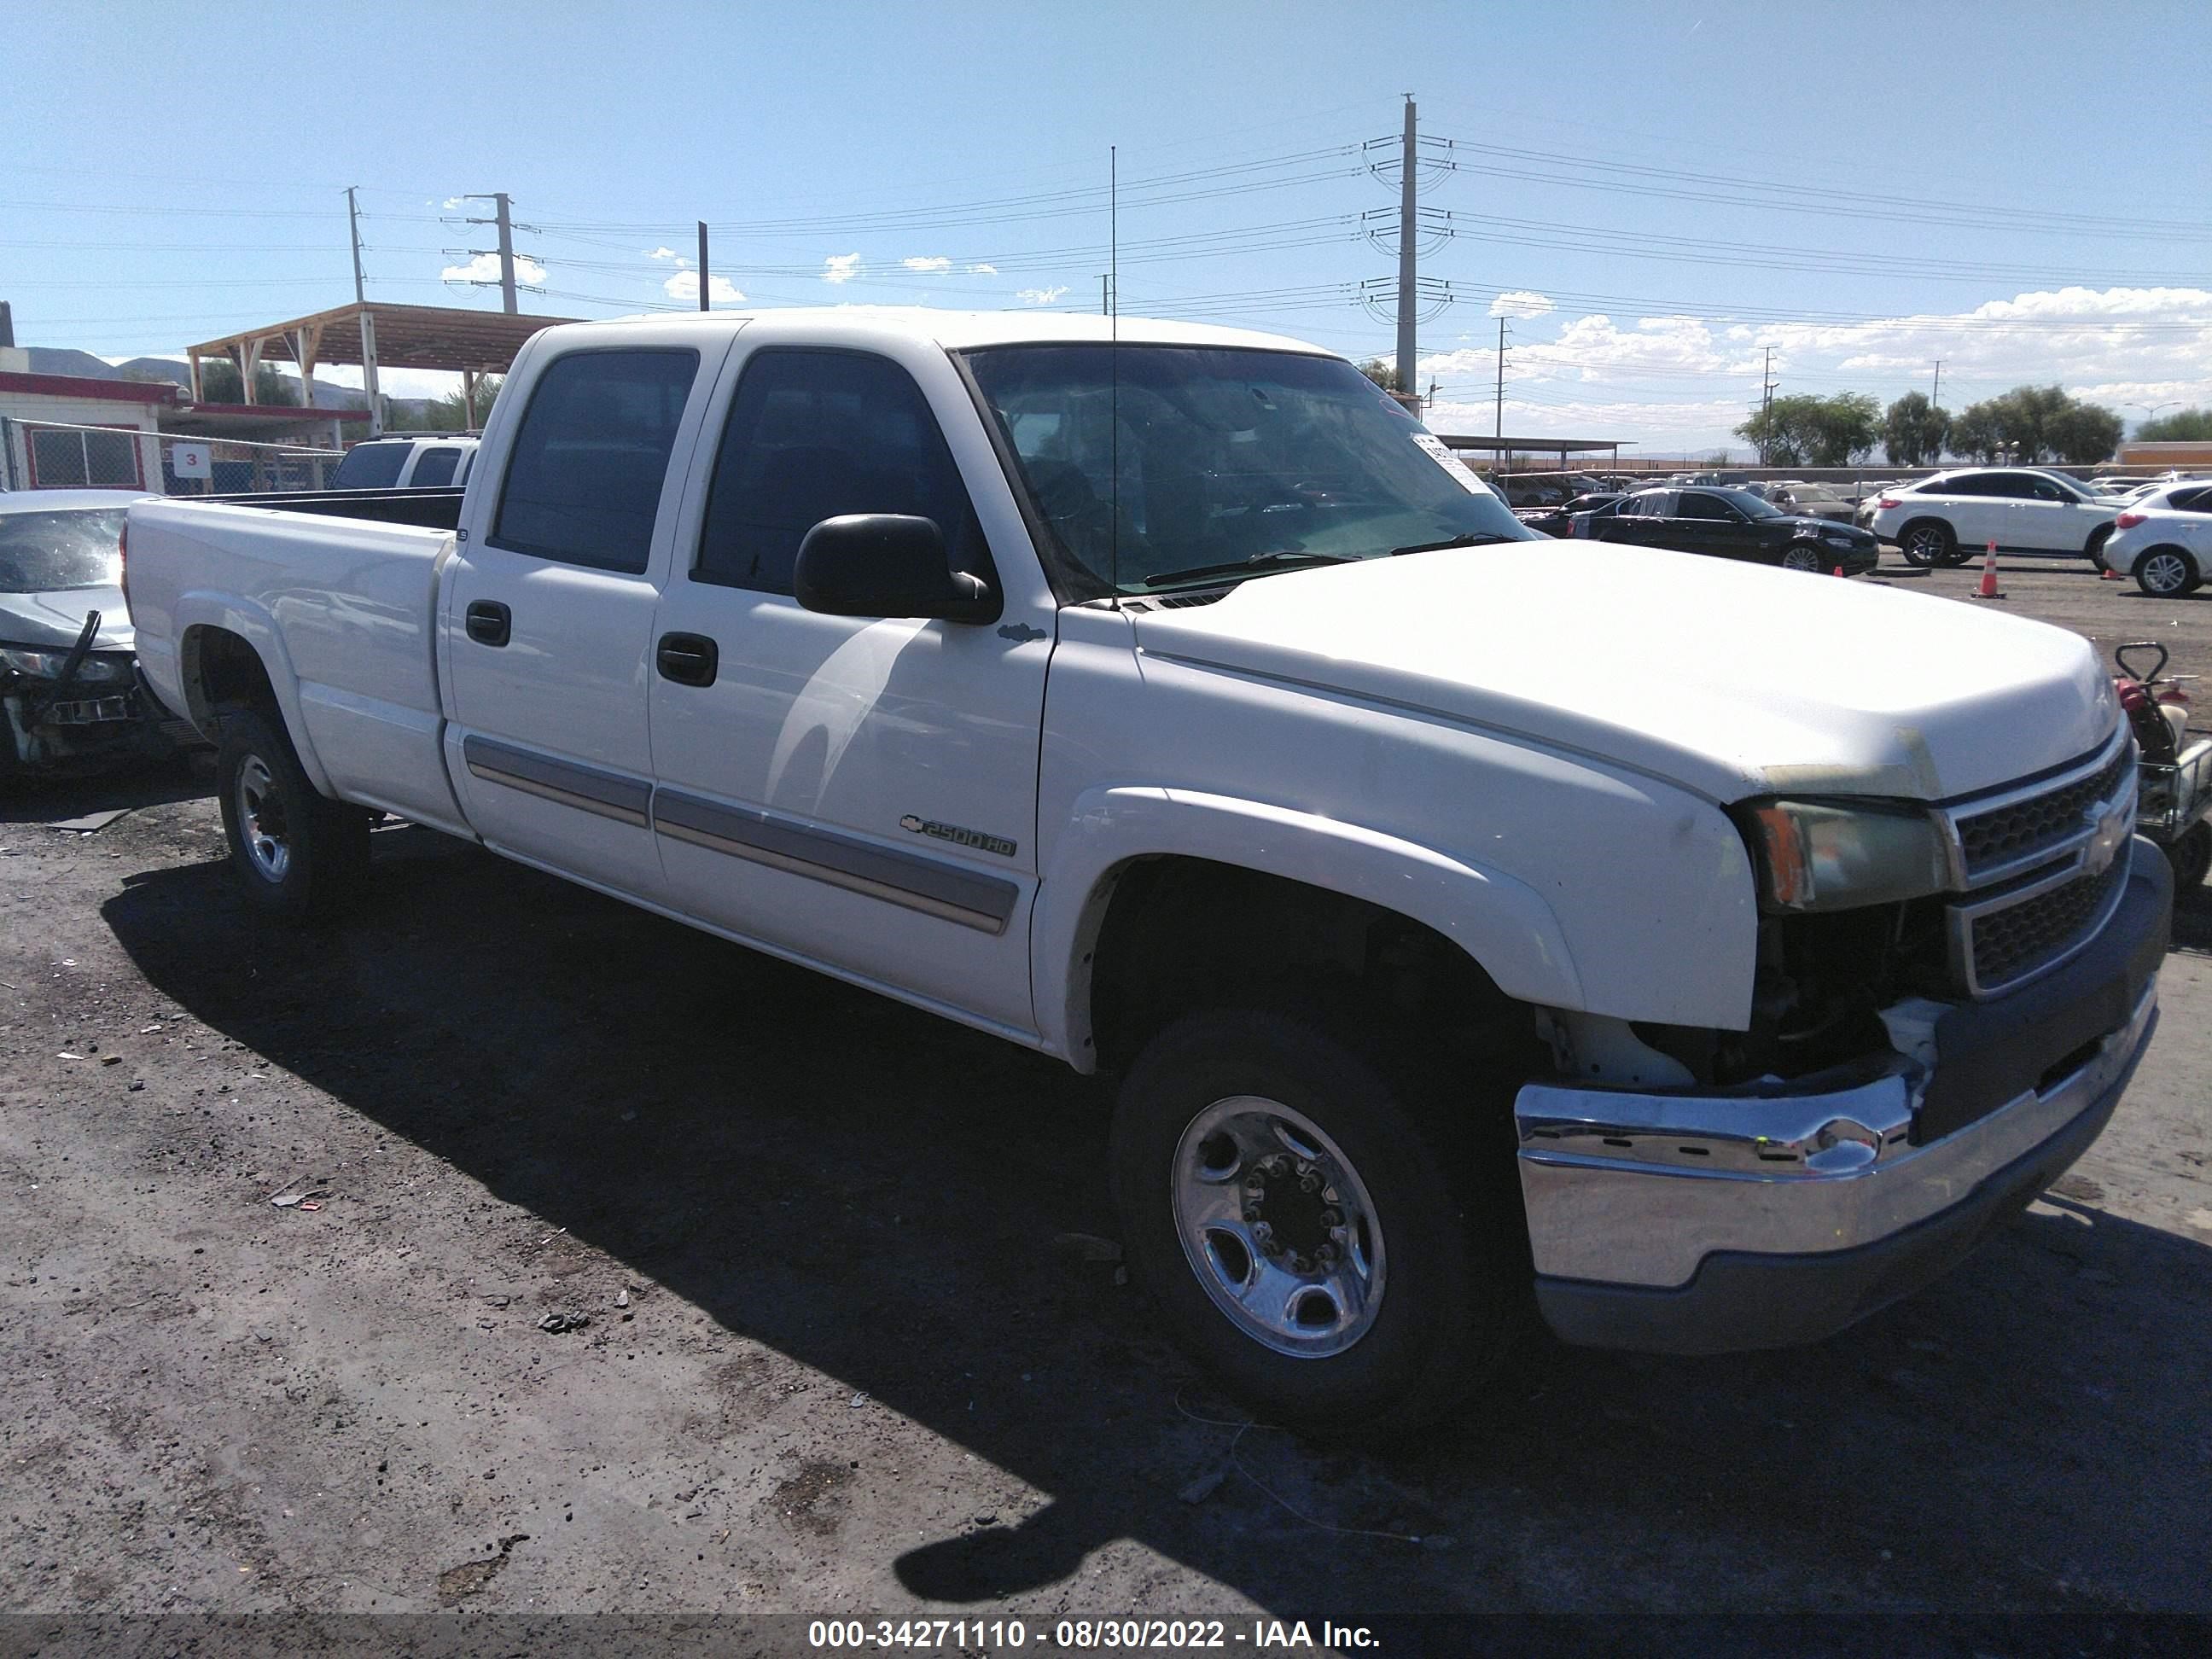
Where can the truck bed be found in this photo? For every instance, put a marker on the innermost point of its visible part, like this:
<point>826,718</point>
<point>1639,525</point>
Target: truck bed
<point>341,606</point>
<point>429,509</point>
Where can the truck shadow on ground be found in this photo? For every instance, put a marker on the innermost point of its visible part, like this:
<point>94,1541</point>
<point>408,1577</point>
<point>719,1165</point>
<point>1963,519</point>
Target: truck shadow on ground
<point>877,1193</point>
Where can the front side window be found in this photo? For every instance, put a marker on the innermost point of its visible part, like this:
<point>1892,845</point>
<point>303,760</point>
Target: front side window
<point>44,552</point>
<point>1696,504</point>
<point>1149,466</point>
<point>583,484</point>
<point>816,435</point>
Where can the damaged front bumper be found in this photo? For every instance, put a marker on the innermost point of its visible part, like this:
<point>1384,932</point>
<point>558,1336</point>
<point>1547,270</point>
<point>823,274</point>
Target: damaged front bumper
<point>1704,1221</point>
<point>44,727</point>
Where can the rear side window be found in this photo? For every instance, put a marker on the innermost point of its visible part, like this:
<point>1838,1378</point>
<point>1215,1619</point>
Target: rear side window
<point>812,435</point>
<point>433,468</point>
<point>584,481</point>
<point>371,466</point>
<point>2190,500</point>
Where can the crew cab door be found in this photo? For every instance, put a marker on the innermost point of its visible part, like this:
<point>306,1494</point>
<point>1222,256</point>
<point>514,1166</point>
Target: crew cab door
<point>859,792</point>
<point>548,630</point>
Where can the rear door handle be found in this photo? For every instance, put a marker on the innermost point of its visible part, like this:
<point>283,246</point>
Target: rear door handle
<point>687,658</point>
<point>488,622</point>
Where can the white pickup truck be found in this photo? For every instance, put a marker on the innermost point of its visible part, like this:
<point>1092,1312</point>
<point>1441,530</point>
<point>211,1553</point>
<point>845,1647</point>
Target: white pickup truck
<point>1712,951</point>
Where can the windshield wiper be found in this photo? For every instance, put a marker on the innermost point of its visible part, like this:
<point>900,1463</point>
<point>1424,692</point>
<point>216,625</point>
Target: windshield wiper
<point>1471,539</point>
<point>1246,566</point>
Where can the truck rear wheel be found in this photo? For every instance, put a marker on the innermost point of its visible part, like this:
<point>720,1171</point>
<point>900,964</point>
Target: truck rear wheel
<point>1312,1231</point>
<point>297,854</point>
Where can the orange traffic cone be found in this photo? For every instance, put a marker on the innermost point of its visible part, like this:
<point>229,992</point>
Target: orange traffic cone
<point>1989,590</point>
<point>1837,571</point>
<point>2109,574</point>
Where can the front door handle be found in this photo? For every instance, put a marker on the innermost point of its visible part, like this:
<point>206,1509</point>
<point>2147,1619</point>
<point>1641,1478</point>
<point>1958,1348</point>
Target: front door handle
<point>687,658</point>
<point>488,622</point>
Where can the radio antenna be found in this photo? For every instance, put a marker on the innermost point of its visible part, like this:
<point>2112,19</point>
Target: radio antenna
<point>1113,363</point>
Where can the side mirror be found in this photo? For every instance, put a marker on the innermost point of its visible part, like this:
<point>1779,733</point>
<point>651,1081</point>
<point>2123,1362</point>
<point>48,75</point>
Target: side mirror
<point>886,564</point>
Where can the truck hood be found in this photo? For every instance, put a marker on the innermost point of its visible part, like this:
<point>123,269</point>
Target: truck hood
<point>1732,680</point>
<point>51,621</point>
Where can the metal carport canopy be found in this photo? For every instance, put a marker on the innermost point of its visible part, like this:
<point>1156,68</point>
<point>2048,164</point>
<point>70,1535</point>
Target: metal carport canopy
<point>407,337</point>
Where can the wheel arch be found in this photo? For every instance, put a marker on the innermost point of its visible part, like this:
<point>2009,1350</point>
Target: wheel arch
<point>1146,876</point>
<point>228,653</point>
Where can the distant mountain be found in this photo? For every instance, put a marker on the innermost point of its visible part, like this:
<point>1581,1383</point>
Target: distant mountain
<point>59,360</point>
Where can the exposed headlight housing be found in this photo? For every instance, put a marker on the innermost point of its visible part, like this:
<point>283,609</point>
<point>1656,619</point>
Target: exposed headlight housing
<point>1816,855</point>
<point>47,665</point>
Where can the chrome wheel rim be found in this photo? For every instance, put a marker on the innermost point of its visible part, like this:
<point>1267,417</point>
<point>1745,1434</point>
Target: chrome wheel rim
<point>261,827</point>
<point>1279,1227</point>
<point>1798,559</point>
<point>2165,573</point>
<point>1926,544</point>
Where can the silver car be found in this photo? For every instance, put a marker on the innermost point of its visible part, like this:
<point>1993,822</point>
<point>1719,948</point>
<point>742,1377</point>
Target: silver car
<point>69,675</point>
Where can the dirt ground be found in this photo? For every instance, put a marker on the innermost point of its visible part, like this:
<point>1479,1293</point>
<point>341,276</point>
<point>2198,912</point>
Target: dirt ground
<point>829,1345</point>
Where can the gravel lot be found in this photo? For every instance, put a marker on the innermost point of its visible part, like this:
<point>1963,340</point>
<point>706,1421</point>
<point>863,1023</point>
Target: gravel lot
<point>841,1355</point>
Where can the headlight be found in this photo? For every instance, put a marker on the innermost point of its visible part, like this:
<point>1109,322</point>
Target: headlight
<point>1815,857</point>
<point>47,665</point>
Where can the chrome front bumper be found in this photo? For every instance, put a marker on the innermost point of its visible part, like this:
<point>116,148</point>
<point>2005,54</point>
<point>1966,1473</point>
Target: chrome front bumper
<point>1707,1222</point>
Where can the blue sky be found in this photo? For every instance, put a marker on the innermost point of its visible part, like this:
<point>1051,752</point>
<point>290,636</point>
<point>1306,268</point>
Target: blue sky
<point>1655,194</point>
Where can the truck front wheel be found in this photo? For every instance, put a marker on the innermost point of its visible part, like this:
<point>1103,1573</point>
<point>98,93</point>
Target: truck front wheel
<point>1313,1230</point>
<point>297,854</point>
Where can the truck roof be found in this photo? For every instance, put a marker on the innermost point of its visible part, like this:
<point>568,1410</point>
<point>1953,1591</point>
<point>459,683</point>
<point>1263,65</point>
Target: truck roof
<point>961,329</point>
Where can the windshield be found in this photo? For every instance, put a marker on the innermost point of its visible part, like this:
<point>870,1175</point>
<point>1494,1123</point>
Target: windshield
<point>41,552</point>
<point>1226,457</point>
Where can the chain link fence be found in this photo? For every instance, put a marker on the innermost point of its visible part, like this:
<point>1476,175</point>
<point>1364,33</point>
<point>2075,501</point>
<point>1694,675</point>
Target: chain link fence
<point>57,455</point>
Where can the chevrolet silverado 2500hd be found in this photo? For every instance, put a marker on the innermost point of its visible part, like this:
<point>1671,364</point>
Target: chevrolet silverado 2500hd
<point>1711,952</point>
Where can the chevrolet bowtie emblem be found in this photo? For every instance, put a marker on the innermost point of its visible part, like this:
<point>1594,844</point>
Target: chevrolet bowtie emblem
<point>2112,821</point>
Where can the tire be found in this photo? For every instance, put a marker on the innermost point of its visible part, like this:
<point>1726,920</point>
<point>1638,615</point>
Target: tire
<point>1226,1116</point>
<point>1802,558</point>
<point>298,854</point>
<point>1928,542</point>
<point>2191,858</point>
<point>2095,549</point>
<point>2166,572</point>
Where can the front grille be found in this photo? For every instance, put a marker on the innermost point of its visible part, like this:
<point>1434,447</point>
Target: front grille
<point>2013,943</point>
<point>2004,834</point>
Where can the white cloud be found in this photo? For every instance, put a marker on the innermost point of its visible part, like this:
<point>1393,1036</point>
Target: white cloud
<point>840,267</point>
<point>684,286</point>
<point>934,263</point>
<point>484,268</point>
<point>453,204</point>
<point>1519,302</point>
<point>667,254</point>
<point>982,271</point>
<point>1039,296</point>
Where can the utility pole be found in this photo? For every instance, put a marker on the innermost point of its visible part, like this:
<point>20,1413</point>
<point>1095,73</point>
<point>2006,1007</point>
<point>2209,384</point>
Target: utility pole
<point>367,323</point>
<point>1105,304</point>
<point>505,256</point>
<point>1497,429</point>
<point>503,219</point>
<point>704,282</point>
<point>1766,404</point>
<point>1407,215</point>
<point>1935,399</point>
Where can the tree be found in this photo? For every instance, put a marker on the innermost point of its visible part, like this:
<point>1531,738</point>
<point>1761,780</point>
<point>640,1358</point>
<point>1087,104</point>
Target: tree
<point>448,412</point>
<point>220,384</point>
<point>1913,430</point>
<point>2030,423</point>
<point>2189,425</point>
<point>1808,431</point>
<point>1382,373</point>
<point>2082,434</point>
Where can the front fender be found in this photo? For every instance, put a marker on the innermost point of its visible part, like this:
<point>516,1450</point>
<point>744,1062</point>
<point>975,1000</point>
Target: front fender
<point>197,608</point>
<point>1505,925</point>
